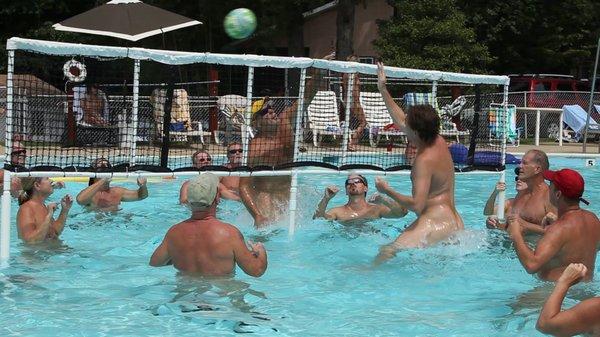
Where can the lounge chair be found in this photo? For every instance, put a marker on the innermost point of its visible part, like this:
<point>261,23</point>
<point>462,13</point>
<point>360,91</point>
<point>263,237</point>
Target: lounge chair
<point>378,118</point>
<point>447,128</point>
<point>233,109</point>
<point>575,117</point>
<point>323,117</point>
<point>495,125</point>
<point>181,126</point>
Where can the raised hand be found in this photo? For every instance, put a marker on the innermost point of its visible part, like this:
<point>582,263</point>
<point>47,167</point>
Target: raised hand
<point>141,181</point>
<point>572,274</point>
<point>381,78</point>
<point>381,185</point>
<point>66,202</point>
<point>51,207</point>
<point>331,191</point>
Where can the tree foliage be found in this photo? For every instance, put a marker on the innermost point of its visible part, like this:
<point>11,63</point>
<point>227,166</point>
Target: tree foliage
<point>430,34</point>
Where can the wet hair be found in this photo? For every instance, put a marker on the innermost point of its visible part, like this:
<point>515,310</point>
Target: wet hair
<point>540,158</point>
<point>27,183</point>
<point>424,120</point>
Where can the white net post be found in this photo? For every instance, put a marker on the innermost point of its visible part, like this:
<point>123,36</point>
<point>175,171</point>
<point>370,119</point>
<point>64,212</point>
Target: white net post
<point>134,113</point>
<point>434,90</point>
<point>504,114</point>
<point>246,131</point>
<point>349,102</point>
<point>6,211</point>
<point>297,137</point>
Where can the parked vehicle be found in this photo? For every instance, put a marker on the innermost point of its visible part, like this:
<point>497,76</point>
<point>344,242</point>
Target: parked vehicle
<point>551,90</point>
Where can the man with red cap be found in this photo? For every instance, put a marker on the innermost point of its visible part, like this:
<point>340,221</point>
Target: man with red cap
<point>573,238</point>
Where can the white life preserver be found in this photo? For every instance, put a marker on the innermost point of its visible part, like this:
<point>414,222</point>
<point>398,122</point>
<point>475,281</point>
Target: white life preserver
<point>74,71</point>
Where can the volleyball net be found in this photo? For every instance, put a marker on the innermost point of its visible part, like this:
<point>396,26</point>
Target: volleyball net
<point>68,105</point>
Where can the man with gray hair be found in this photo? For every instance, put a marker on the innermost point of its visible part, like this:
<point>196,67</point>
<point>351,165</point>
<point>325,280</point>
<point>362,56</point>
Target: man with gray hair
<point>204,246</point>
<point>531,207</point>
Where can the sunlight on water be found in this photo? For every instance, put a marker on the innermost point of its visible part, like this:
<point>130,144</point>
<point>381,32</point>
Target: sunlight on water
<point>321,282</point>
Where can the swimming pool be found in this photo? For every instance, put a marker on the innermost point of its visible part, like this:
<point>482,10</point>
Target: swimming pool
<point>320,282</point>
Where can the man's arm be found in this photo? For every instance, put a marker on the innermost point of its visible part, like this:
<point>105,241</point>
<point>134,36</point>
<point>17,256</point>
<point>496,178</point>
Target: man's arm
<point>490,204</point>
<point>161,256</point>
<point>26,223</point>
<point>247,196</point>
<point>134,195</point>
<point>59,224</point>
<point>396,112</point>
<point>577,320</point>
<point>254,261</point>
<point>547,247</point>
<point>420,189</point>
<point>84,198</point>
<point>330,192</point>
<point>388,208</point>
<point>183,193</point>
<point>226,193</point>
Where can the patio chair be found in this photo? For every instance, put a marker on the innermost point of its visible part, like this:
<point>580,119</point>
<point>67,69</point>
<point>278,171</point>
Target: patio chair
<point>378,118</point>
<point>495,123</point>
<point>575,117</point>
<point>447,127</point>
<point>323,117</point>
<point>232,109</point>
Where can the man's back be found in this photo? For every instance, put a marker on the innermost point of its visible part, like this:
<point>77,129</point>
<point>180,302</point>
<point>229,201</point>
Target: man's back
<point>580,232</point>
<point>437,156</point>
<point>203,247</point>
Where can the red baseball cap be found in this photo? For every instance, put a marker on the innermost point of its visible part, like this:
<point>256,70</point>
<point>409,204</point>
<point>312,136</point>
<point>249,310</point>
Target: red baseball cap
<point>568,181</point>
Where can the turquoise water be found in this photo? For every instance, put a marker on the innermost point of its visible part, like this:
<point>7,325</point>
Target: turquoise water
<point>318,283</point>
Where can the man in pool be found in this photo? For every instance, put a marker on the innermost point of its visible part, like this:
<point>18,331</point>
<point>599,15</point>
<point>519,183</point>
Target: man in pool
<point>532,204</point>
<point>231,185</point>
<point>35,219</point>
<point>202,158</point>
<point>100,195</point>
<point>266,198</point>
<point>205,246</point>
<point>573,238</point>
<point>357,208</point>
<point>432,177</point>
<point>582,319</point>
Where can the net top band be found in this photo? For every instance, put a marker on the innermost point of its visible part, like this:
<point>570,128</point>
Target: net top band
<point>181,58</point>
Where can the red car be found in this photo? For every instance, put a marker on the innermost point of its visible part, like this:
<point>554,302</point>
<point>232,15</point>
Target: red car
<point>549,90</point>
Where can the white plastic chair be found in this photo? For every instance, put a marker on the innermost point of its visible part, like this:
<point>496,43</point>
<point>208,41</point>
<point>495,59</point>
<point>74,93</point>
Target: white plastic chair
<point>377,117</point>
<point>323,118</point>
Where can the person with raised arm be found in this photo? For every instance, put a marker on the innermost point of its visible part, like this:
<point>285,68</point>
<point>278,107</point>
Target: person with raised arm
<point>357,209</point>
<point>35,219</point>
<point>432,177</point>
<point>205,246</point>
<point>100,195</point>
<point>572,238</point>
<point>582,319</point>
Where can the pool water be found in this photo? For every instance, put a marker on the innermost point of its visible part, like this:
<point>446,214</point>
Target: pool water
<point>319,282</point>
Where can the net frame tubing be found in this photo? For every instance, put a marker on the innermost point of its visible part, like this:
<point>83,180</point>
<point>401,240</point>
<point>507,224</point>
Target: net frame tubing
<point>297,137</point>
<point>6,202</point>
<point>347,110</point>
<point>179,58</point>
<point>502,194</point>
<point>246,131</point>
<point>136,174</point>
<point>134,112</point>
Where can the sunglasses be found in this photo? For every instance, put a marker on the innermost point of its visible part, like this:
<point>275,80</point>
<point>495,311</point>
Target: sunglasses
<point>235,151</point>
<point>355,181</point>
<point>202,160</point>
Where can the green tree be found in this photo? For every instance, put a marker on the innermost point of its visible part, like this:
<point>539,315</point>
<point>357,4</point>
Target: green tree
<point>430,34</point>
<point>533,36</point>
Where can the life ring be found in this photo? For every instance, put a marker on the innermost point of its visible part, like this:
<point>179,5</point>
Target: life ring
<point>74,71</point>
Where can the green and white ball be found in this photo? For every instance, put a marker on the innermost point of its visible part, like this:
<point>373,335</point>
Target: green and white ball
<point>240,23</point>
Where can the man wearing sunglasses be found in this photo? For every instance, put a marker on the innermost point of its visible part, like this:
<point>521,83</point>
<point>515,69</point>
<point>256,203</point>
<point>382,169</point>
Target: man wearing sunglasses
<point>230,186</point>
<point>17,158</point>
<point>357,209</point>
<point>200,159</point>
<point>99,195</point>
